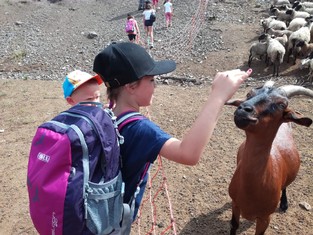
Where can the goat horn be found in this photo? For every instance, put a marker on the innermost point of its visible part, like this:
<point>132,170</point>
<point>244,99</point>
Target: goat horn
<point>293,90</point>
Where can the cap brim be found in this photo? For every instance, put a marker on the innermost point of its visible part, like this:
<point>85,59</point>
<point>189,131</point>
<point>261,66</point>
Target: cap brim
<point>98,78</point>
<point>162,67</point>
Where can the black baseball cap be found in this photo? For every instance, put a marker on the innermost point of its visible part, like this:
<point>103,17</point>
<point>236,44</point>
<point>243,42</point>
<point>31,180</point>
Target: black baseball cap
<point>126,62</point>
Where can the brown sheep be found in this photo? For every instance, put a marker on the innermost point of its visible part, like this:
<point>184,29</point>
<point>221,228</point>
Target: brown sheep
<point>306,48</point>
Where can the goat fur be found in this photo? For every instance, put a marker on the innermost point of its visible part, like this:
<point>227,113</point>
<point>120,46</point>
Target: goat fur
<point>268,160</point>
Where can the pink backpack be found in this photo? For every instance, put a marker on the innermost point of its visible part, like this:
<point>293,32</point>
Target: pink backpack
<point>130,26</point>
<point>73,178</point>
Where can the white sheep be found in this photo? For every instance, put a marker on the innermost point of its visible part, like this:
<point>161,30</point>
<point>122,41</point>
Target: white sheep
<point>281,3</point>
<point>304,4</point>
<point>296,24</point>
<point>302,34</point>
<point>300,7</point>
<point>280,14</point>
<point>272,22</point>
<point>297,14</point>
<point>279,33</point>
<point>275,53</point>
<point>282,39</point>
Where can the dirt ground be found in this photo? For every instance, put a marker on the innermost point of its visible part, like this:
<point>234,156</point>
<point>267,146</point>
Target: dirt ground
<point>198,195</point>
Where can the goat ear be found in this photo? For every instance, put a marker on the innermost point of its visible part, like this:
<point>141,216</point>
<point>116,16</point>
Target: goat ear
<point>296,117</point>
<point>234,102</point>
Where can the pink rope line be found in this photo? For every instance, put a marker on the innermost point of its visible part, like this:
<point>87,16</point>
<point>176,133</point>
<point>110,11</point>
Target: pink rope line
<point>191,30</point>
<point>183,44</point>
<point>152,199</point>
<point>200,16</point>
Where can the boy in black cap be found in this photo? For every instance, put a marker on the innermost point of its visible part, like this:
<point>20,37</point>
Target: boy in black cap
<point>128,72</point>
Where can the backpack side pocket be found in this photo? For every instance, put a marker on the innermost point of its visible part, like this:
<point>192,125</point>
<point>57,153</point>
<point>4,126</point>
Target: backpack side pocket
<point>105,205</point>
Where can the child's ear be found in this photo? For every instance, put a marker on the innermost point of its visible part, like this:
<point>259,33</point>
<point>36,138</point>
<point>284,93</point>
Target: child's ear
<point>70,100</point>
<point>130,87</point>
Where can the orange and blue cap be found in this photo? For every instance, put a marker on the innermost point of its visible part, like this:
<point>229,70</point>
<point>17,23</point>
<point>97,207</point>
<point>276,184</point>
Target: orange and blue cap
<point>75,79</point>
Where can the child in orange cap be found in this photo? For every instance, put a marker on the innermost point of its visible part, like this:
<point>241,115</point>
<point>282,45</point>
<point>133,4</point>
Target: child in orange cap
<point>80,86</point>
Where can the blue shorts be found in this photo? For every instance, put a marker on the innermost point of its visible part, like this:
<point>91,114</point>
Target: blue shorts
<point>148,23</point>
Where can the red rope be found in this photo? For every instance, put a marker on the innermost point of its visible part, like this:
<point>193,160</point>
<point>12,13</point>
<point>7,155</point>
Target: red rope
<point>192,29</point>
<point>153,196</point>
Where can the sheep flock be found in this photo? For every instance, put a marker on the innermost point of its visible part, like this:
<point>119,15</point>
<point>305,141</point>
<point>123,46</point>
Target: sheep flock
<point>287,37</point>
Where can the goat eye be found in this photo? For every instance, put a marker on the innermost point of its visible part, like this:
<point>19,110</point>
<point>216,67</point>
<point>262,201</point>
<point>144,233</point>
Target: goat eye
<point>282,105</point>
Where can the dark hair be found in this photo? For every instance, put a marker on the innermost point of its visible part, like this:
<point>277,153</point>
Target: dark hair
<point>129,16</point>
<point>148,6</point>
<point>113,93</point>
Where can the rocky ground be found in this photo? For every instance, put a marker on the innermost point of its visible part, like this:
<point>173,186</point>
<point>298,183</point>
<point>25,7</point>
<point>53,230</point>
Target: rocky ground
<point>41,41</point>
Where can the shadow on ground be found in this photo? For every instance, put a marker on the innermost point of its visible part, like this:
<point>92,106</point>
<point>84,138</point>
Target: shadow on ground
<point>211,223</point>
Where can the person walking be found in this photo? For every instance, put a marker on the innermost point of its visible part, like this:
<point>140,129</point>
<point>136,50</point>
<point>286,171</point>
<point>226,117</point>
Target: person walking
<point>142,4</point>
<point>132,29</point>
<point>148,23</point>
<point>155,4</point>
<point>168,10</point>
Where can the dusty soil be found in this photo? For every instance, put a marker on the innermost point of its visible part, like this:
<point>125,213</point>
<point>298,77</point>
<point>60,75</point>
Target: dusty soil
<point>31,94</point>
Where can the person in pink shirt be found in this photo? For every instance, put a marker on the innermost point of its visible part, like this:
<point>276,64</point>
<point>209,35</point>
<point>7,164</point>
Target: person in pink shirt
<point>155,4</point>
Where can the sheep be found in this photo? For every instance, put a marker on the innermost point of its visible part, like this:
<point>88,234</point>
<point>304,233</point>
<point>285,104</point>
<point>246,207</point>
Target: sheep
<point>302,34</point>
<point>306,48</point>
<point>278,33</point>
<point>296,24</point>
<point>304,4</point>
<point>268,160</point>
<point>280,14</point>
<point>272,22</point>
<point>300,7</point>
<point>297,14</point>
<point>257,49</point>
<point>308,63</point>
<point>282,39</point>
<point>281,3</point>
<point>275,52</point>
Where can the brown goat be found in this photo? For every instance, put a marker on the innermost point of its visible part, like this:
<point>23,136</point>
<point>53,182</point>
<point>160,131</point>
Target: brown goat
<point>268,160</point>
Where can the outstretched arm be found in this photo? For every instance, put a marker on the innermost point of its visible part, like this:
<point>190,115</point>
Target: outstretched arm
<point>188,150</point>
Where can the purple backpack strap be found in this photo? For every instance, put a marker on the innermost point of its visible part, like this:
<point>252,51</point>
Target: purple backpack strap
<point>127,118</point>
<point>122,121</point>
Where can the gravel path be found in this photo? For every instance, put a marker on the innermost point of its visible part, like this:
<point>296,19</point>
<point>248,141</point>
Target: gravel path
<point>44,40</point>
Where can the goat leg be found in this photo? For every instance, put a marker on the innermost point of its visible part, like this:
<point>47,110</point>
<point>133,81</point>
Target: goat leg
<point>283,201</point>
<point>261,225</point>
<point>234,219</point>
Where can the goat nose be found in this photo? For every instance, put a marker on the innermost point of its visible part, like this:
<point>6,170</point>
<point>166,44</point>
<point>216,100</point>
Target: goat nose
<point>246,108</point>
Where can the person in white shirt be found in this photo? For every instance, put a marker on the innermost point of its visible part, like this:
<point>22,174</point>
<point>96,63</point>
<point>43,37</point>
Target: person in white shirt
<point>168,9</point>
<point>148,23</point>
